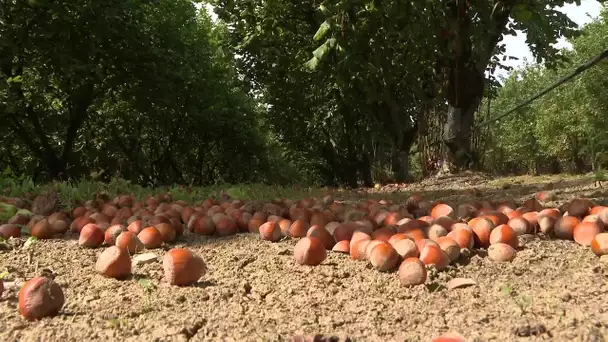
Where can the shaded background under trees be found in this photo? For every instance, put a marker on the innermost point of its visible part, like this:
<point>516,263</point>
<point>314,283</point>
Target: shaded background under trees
<point>291,91</point>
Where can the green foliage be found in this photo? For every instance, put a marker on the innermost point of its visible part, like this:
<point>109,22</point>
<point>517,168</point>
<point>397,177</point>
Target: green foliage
<point>154,93</point>
<point>147,91</point>
<point>30,242</point>
<point>13,185</point>
<point>7,211</point>
<point>340,119</point>
<point>445,46</point>
<point>75,193</point>
<point>146,284</point>
<point>567,129</point>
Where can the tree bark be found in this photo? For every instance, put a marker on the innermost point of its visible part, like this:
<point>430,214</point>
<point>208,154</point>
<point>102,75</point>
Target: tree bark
<point>401,155</point>
<point>365,171</point>
<point>349,171</point>
<point>400,165</point>
<point>457,130</point>
<point>465,91</point>
<point>579,163</point>
<point>466,81</point>
<point>81,100</point>
<point>331,172</point>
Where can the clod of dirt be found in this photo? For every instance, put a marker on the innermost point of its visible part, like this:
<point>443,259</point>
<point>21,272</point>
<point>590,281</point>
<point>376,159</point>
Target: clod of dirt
<point>247,261</point>
<point>565,296</point>
<point>191,330</point>
<point>246,288</point>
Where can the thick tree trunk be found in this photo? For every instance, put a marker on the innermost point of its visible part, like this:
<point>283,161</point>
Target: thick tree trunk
<point>349,171</point>
<point>347,176</point>
<point>329,177</point>
<point>465,91</point>
<point>401,155</point>
<point>579,164</point>
<point>400,165</point>
<point>333,173</point>
<point>466,81</point>
<point>458,129</point>
<point>554,166</point>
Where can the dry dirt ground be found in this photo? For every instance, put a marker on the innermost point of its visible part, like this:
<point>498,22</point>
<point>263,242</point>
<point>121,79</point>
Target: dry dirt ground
<point>254,291</point>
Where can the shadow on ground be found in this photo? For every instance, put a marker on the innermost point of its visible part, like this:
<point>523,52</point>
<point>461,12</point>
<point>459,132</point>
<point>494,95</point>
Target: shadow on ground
<point>470,186</point>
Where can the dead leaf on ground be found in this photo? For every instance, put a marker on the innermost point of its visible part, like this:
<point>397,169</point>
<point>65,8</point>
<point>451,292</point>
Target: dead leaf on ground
<point>457,283</point>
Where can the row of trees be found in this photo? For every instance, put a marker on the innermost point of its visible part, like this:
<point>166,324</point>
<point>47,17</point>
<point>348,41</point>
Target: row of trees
<point>376,75</point>
<point>565,131</point>
<point>147,90</point>
<point>329,92</point>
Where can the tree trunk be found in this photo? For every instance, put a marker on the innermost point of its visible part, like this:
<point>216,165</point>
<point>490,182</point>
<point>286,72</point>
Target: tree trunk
<point>466,89</point>
<point>400,165</point>
<point>401,155</point>
<point>81,99</point>
<point>349,171</point>
<point>466,82</point>
<point>332,172</point>
<point>328,177</point>
<point>365,171</point>
<point>555,167</point>
<point>579,164</point>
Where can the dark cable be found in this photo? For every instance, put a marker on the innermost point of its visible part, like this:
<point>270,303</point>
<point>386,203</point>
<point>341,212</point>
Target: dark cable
<point>563,80</point>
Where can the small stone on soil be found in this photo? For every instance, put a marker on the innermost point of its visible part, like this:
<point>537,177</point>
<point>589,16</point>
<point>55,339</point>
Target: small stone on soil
<point>246,288</point>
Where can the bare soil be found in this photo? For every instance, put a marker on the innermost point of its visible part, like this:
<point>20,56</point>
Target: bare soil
<point>253,290</point>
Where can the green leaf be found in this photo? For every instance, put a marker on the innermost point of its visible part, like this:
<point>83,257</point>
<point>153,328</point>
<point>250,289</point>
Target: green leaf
<point>146,283</point>
<point>8,207</point>
<point>248,40</point>
<point>8,211</point>
<point>322,31</point>
<point>24,212</point>
<point>312,64</point>
<point>321,51</point>
<point>31,241</point>
<point>522,13</point>
<point>16,79</point>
